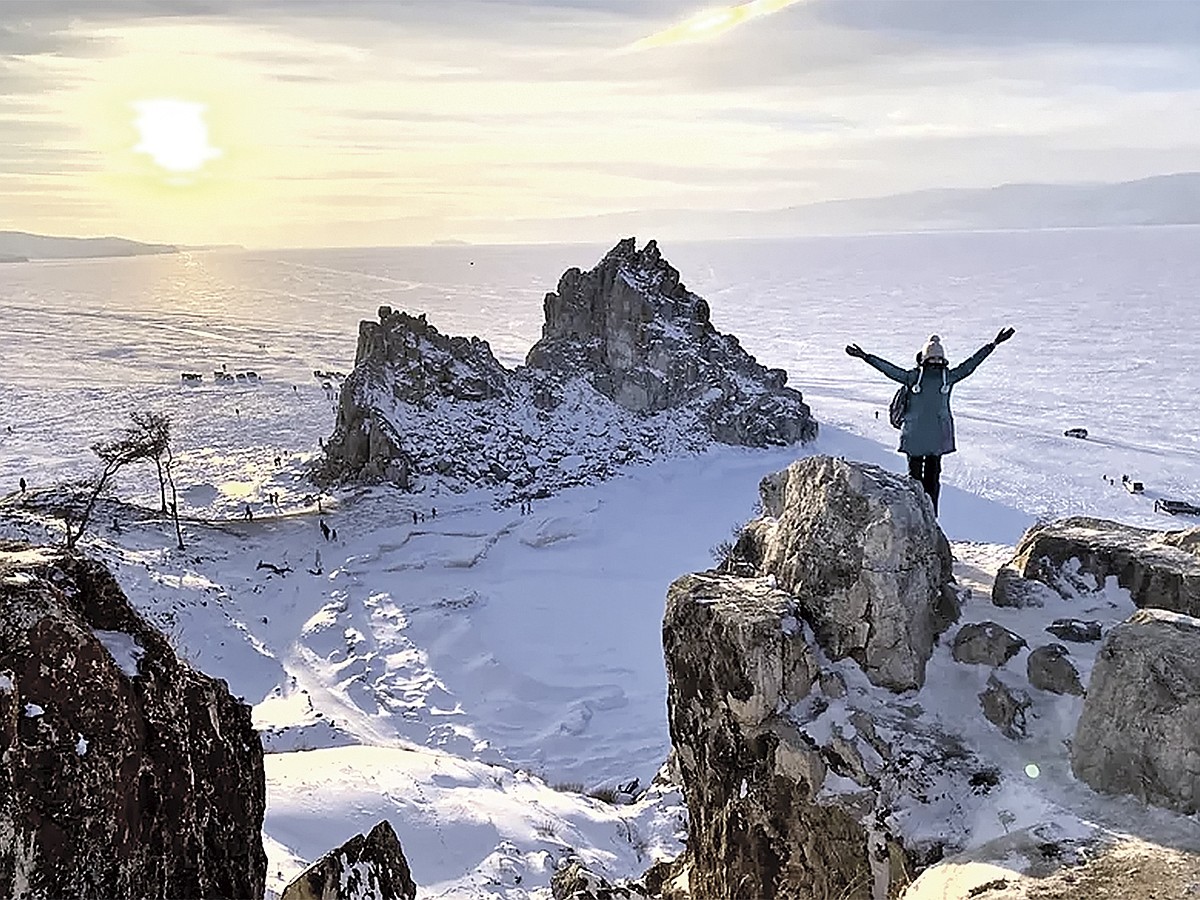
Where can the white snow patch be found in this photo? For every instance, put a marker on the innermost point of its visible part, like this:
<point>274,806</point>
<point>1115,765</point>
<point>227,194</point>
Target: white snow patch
<point>123,648</point>
<point>32,711</point>
<point>81,746</point>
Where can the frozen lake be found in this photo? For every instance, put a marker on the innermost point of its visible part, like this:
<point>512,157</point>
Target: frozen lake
<point>1107,338</point>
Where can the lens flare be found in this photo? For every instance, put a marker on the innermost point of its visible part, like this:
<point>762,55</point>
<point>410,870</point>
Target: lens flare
<point>173,134</point>
<point>1032,770</point>
<point>711,23</point>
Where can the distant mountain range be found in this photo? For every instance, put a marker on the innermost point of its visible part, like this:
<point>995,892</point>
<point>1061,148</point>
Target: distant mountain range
<point>17,246</point>
<point>1160,200</point>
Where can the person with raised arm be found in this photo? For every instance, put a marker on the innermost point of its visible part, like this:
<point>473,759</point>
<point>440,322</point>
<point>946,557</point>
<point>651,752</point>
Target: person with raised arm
<point>923,404</point>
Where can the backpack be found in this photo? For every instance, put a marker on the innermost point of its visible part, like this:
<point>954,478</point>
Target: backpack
<point>898,407</point>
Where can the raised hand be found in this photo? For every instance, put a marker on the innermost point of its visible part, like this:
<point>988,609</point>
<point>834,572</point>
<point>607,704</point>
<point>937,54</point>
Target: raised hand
<point>856,351</point>
<point>1004,335</point>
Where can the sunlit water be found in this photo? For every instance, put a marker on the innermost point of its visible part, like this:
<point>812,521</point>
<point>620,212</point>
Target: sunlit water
<point>1107,338</point>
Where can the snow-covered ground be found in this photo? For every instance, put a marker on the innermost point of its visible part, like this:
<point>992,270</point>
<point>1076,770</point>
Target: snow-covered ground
<point>448,673</point>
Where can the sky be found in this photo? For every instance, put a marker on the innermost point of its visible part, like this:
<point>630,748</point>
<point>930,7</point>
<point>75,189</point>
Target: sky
<point>348,123</point>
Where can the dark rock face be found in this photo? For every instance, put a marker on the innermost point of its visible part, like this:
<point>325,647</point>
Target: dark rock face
<point>1160,569</point>
<point>986,644</point>
<point>628,367</point>
<point>364,868</point>
<point>1050,669</point>
<point>123,772</point>
<point>1076,631</point>
<point>645,341</point>
<point>794,783</point>
<point>1005,707</point>
<point>1139,732</point>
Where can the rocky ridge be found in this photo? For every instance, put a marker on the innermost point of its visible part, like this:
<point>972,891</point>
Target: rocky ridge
<point>837,735</point>
<point>629,367</point>
<point>123,771</point>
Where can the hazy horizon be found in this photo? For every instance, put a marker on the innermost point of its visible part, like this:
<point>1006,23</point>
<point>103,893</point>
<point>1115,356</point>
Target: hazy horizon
<point>277,125</point>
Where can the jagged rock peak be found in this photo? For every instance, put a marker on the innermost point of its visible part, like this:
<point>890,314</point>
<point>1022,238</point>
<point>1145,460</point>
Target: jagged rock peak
<point>646,342</point>
<point>423,361</point>
<point>370,867</point>
<point>123,771</point>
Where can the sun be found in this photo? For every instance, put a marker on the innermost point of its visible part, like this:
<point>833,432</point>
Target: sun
<point>173,134</point>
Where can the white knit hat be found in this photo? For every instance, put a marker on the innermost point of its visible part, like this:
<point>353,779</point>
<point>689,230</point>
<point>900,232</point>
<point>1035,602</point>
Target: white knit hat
<point>933,349</point>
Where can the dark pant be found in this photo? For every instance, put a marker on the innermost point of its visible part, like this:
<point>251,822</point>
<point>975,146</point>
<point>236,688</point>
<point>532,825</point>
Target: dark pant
<point>928,471</point>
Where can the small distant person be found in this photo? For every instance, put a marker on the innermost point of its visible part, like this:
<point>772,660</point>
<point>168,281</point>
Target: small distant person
<point>278,461</point>
<point>433,512</point>
<point>324,530</point>
<point>333,534</point>
<point>927,432</point>
<point>248,515</point>
<point>414,517</point>
<point>320,511</point>
<point>22,484</point>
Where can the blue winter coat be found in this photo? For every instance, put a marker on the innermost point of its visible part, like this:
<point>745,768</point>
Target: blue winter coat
<point>928,428</point>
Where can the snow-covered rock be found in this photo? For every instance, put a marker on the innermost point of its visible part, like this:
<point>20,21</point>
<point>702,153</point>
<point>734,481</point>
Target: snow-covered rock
<point>646,342</point>
<point>1077,555</point>
<point>629,367</point>
<point>1139,732</point>
<point>370,867</point>
<point>799,764</point>
<point>138,776</point>
<point>860,550</point>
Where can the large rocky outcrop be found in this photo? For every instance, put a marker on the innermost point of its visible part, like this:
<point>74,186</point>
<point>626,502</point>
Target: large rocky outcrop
<point>123,772</point>
<point>645,341</point>
<point>629,367</point>
<point>1139,732</point>
<point>800,776</point>
<point>860,550</point>
<point>1159,569</point>
<point>366,867</point>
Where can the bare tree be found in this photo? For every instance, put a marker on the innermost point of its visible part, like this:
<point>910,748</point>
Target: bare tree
<point>155,429</point>
<point>114,455</point>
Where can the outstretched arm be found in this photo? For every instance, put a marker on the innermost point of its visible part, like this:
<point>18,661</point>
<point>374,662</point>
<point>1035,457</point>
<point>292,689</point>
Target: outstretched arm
<point>967,366</point>
<point>891,370</point>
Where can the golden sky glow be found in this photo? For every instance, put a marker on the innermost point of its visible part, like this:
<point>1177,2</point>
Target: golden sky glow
<point>712,23</point>
<point>349,122</point>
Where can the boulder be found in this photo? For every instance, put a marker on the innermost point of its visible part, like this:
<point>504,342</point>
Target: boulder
<point>628,367</point>
<point>1005,707</point>
<point>370,867</point>
<point>801,777</point>
<point>860,550</point>
<point>1139,732</point>
<point>1049,669</point>
<point>1077,555</point>
<point>1076,631</point>
<point>123,771</point>
<point>986,644</point>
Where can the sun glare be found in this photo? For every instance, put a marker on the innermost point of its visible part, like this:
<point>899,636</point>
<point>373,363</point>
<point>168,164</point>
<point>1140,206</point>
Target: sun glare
<point>173,134</point>
<point>711,23</point>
